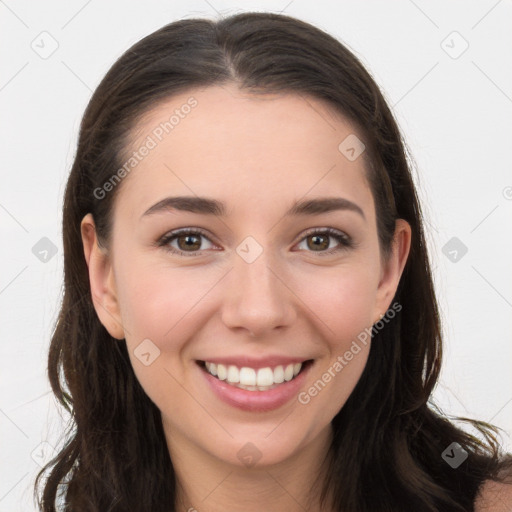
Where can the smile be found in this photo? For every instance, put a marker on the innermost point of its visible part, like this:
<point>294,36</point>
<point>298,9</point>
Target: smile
<point>251,379</point>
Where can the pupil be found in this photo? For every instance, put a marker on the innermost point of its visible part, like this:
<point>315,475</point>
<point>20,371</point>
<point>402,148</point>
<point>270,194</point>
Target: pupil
<point>189,240</point>
<point>317,239</point>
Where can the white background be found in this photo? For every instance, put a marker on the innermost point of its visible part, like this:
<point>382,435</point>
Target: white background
<point>455,114</point>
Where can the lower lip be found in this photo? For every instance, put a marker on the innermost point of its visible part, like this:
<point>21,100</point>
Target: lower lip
<point>257,401</point>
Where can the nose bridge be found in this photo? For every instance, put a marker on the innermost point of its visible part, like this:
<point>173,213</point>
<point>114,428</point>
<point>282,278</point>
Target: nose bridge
<point>257,300</point>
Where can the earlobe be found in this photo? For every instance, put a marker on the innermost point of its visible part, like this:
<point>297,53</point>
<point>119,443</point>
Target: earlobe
<point>101,280</point>
<point>394,266</point>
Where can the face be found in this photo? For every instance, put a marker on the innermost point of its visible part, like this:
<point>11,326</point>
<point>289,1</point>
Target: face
<point>256,286</point>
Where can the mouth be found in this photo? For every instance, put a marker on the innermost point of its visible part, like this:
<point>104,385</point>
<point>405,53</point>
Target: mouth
<point>254,379</point>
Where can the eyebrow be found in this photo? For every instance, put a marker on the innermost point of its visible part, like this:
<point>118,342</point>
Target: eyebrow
<point>207,206</point>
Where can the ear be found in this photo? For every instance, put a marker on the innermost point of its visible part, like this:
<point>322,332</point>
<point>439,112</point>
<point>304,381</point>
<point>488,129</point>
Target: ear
<point>101,279</point>
<point>393,267</point>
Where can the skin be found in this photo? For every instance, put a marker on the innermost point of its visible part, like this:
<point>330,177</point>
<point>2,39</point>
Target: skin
<point>495,497</point>
<point>258,155</point>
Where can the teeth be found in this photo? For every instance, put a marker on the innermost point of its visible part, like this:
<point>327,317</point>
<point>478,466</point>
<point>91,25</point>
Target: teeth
<point>212,368</point>
<point>222,373</point>
<point>247,376</point>
<point>233,374</point>
<point>279,375</point>
<point>265,377</point>
<point>251,379</point>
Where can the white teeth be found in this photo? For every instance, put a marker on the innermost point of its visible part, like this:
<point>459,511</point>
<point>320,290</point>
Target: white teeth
<point>265,377</point>
<point>233,374</point>
<point>212,368</point>
<point>222,373</point>
<point>279,375</point>
<point>249,378</point>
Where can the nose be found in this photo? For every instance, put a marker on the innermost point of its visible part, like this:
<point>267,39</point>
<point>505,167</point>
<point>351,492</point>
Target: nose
<point>258,299</point>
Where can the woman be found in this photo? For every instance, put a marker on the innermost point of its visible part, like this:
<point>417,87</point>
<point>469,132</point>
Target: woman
<point>249,320</point>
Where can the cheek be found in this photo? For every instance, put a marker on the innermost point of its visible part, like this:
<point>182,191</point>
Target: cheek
<point>342,299</point>
<point>331,387</point>
<point>155,299</point>
<point>158,305</point>
<point>167,305</point>
<point>344,302</point>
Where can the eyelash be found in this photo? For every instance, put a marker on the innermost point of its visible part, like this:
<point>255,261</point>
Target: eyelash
<point>345,241</point>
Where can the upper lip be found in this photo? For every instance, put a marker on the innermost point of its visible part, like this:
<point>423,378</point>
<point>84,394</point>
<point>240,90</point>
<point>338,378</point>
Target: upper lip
<point>256,363</point>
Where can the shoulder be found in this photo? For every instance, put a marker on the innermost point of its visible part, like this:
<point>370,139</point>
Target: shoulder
<point>494,497</point>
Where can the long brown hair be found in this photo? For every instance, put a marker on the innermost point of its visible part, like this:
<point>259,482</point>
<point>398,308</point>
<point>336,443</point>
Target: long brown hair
<point>388,441</point>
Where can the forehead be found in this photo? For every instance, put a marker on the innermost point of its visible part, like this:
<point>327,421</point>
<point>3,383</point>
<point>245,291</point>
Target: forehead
<point>253,119</point>
<point>220,141</point>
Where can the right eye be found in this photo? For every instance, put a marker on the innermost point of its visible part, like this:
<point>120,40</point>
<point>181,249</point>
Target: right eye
<point>186,238</point>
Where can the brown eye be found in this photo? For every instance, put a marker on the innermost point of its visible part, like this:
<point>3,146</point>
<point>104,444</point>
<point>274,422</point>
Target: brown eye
<point>192,242</point>
<point>188,242</point>
<point>319,240</point>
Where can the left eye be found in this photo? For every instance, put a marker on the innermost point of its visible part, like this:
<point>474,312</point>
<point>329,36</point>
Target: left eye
<point>191,239</point>
<point>320,239</point>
